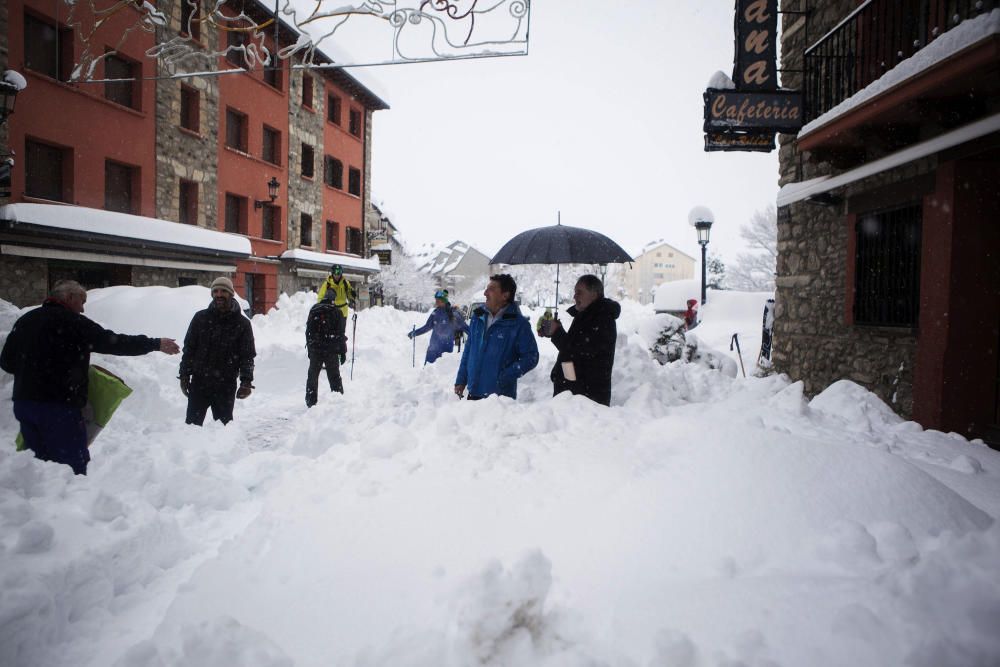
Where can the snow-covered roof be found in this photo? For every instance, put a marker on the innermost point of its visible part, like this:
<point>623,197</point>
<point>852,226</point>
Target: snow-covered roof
<point>653,245</point>
<point>959,38</point>
<point>124,225</point>
<point>328,259</point>
<point>793,192</point>
<point>445,260</point>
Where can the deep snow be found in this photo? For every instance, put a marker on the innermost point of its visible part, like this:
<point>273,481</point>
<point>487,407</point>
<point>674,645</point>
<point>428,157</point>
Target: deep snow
<point>701,520</point>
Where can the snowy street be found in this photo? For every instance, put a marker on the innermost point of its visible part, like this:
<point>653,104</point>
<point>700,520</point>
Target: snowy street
<point>703,519</point>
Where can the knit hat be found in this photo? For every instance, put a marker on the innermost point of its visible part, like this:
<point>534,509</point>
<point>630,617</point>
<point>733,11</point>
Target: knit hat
<point>224,283</point>
<point>441,294</point>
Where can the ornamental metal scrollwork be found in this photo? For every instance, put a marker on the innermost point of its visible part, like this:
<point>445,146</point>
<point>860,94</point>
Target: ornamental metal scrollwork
<point>208,37</point>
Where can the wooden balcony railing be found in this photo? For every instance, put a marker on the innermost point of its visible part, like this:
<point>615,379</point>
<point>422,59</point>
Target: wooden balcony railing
<point>873,39</point>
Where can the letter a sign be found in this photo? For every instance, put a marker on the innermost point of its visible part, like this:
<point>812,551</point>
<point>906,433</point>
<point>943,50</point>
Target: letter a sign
<point>756,45</point>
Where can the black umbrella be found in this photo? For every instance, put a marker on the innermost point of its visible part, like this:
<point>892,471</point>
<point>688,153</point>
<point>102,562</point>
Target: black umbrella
<point>561,244</point>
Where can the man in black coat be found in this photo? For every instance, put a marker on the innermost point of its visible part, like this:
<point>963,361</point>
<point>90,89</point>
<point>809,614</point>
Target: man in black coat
<point>218,348</point>
<point>326,343</point>
<point>48,352</point>
<point>587,350</point>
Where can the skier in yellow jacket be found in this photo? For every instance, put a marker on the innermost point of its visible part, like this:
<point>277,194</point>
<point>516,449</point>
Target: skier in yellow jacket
<point>343,293</point>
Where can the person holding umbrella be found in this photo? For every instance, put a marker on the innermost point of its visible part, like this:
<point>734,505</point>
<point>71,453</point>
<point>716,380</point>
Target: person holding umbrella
<point>445,323</point>
<point>587,350</point>
<point>501,346</point>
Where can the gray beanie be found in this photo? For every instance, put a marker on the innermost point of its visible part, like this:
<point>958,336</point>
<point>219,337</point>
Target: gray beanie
<point>224,283</point>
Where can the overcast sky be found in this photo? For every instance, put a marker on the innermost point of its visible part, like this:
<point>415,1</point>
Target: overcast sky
<point>602,121</point>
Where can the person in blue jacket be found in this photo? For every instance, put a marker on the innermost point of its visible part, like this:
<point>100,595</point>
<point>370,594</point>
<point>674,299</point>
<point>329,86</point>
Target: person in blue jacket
<point>501,346</point>
<point>444,322</point>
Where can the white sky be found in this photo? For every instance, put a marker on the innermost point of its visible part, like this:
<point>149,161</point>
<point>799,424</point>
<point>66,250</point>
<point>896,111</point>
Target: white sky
<point>603,121</point>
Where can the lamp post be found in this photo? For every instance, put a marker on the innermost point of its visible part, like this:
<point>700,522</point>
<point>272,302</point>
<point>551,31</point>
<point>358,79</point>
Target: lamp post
<point>10,85</point>
<point>701,219</point>
<point>272,192</point>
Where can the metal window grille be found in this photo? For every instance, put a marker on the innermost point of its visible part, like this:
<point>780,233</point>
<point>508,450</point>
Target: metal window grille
<point>887,267</point>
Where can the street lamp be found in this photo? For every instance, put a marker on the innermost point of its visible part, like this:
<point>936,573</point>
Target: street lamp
<point>272,192</point>
<point>701,219</point>
<point>11,84</point>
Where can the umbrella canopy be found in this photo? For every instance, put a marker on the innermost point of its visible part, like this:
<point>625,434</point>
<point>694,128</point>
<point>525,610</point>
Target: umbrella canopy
<point>560,244</point>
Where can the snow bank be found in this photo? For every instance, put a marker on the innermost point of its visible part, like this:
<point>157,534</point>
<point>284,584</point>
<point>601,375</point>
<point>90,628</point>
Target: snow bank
<point>702,519</point>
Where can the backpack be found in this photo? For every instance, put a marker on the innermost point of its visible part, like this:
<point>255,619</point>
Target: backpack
<point>325,328</point>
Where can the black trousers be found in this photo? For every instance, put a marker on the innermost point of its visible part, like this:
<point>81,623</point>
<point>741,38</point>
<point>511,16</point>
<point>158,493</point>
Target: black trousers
<point>317,360</point>
<point>219,396</point>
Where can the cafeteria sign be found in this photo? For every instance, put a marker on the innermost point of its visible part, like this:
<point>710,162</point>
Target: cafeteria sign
<point>747,116</point>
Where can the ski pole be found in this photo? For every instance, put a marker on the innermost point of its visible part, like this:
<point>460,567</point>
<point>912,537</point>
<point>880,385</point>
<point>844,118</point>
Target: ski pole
<point>735,339</point>
<point>413,337</point>
<point>354,338</point>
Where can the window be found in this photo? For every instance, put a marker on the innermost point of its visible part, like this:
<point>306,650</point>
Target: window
<point>307,161</point>
<point>187,204</point>
<point>332,235</point>
<point>236,130</point>
<point>189,19</point>
<point>190,109</point>
<point>887,267</point>
<point>353,240</point>
<point>333,109</point>
<point>333,172</point>
<point>45,171</point>
<point>307,91</point>
<point>48,50</point>
<point>271,151</point>
<point>120,185</point>
<point>272,73</point>
<point>236,214</point>
<point>355,126</point>
<point>270,222</point>
<point>306,230</point>
<point>184,281</point>
<point>121,92</point>
<point>234,47</point>
<point>354,181</point>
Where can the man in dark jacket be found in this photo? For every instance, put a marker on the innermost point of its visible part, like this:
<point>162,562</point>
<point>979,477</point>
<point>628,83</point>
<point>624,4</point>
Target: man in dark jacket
<point>48,352</point>
<point>326,343</point>
<point>218,348</point>
<point>501,346</point>
<point>587,350</point>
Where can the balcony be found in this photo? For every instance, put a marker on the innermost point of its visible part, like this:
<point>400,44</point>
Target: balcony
<point>893,70</point>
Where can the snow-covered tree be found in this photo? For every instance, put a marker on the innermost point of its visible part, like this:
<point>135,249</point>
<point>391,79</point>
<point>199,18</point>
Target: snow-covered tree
<point>403,285</point>
<point>753,271</point>
<point>716,278</point>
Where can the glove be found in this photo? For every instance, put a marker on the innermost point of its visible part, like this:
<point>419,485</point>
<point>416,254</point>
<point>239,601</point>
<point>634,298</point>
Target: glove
<point>245,390</point>
<point>409,334</point>
<point>343,359</point>
<point>185,384</point>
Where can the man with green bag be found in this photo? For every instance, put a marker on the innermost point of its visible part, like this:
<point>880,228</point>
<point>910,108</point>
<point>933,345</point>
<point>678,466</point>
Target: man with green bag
<point>48,353</point>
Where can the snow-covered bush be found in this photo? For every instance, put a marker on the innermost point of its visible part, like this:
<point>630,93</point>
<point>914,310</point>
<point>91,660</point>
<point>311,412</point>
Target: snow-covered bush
<point>670,342</point>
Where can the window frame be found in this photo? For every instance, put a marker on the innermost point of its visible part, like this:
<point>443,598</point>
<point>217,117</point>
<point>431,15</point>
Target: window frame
<point>240,203</point>
<point>308,91</point>
<point>333,240</point>
<point>885,285</point>
<point>355,123</point>
<point>130,174</point>
<point>189,11</point>
<point>305,239</point>
<point>310,162</point>
<point>61,66</point>
<point>334,109</point>
<point>354,181</point>
<point>187,202</point>
<point>275,145</point>
<point>190,108</point>
<point>244,123</point>
<point>63,174</point>
<point>333,172</point>
<point>270,214</point>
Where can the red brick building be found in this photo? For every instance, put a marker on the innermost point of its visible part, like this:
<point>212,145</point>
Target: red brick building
<point>196,151</point>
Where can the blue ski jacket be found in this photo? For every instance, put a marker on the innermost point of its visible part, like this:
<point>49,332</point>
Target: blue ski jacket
<point>443,328</point>
<point>494,359</point>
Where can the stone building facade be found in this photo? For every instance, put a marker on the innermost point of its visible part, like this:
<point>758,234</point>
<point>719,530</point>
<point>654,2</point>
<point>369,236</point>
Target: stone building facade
<point>848,181</point>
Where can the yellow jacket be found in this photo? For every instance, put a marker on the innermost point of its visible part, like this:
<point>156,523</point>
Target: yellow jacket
<point>343,293</point>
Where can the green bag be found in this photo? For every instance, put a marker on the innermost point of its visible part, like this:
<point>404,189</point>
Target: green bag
<point>105,392</point>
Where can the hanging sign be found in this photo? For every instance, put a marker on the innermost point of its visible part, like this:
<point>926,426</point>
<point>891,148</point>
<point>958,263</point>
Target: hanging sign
<point>774,111</point>
<point>384,256</point>
<point>739,141</point>
<point>755,65</point>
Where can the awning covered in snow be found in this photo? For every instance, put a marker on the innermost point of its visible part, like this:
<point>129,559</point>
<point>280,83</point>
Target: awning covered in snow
<point>312,259</point>
<point>120,230</point>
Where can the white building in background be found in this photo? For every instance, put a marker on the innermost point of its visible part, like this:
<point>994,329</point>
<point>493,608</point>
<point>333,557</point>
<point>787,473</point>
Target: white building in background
<point>456,267</point>
<point>657,263</point>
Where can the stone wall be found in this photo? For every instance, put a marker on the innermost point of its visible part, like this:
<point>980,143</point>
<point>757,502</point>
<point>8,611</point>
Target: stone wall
<point>24,281</point>
<point>181,154</point>
<point>305,126</point>
<point>146,276</point>
<point>813,341</point>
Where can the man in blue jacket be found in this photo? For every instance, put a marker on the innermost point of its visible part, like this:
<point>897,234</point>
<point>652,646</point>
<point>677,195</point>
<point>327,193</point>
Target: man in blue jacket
<point>444,323</point>
<point>501,345</point>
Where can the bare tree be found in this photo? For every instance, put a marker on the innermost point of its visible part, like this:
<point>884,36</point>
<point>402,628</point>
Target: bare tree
<point>753,271</point>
